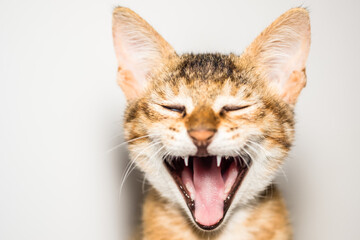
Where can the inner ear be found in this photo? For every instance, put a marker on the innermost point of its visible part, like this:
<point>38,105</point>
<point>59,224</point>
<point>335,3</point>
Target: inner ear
<point>279,53</point>
<point>131,88</point>
<point>293,86</point>
<point>140,51</point>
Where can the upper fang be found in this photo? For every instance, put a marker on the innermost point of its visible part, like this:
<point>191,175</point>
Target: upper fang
<point>218,160</point>
<point>186,160</point>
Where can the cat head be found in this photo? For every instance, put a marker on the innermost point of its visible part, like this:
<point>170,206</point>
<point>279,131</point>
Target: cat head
<point>210,131</point>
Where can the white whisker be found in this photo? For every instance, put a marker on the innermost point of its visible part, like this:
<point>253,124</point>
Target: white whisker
<point>156,154</point>
<point>251,157</point>
<point>131,140</point>
<point>266,154</point>
<point>131,166</point>
<point>143,184</point>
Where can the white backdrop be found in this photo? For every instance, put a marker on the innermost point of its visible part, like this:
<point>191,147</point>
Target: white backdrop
<point>61,111</point>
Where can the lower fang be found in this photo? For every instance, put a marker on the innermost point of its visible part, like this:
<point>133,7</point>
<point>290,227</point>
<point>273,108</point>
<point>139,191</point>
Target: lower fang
<point>186,161</point>
<point>218,160</point>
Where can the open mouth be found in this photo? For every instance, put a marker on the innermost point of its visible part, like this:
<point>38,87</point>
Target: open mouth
<point>208,184</point>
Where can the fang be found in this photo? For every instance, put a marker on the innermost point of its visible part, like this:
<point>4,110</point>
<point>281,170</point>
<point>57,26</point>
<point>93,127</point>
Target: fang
<point>218,160</point>
<point>186,161</point>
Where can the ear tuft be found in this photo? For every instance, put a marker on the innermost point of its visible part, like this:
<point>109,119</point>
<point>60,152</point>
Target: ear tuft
<point>281,50</point>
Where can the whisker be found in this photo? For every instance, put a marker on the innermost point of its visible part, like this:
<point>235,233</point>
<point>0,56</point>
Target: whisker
<point>261,147</point>
<point>242,156</point>
<point>166,154</point>
<point>251,157</point>
<point>265,154</point>
<point>156,154</point>
<point>265,167</point>
<point>143,184</point>
<point>131,140</point>
<point>132,161</point>
<point>131,166</point>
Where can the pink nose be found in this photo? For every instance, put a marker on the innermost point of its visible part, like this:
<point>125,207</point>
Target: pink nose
<point>201,137</point>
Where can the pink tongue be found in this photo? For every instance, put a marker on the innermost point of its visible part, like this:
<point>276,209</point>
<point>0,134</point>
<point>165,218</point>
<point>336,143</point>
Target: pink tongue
<point>209,191</point>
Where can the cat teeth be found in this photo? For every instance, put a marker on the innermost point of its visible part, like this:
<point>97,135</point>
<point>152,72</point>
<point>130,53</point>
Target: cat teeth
<point>238,161</point>
<point>186,161</point>
<point>218,160</point>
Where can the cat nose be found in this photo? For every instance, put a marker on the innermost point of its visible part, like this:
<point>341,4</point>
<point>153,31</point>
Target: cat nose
<point>202,138</point>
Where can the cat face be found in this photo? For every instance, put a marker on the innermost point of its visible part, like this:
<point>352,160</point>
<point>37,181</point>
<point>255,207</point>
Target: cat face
<point>210,131</point>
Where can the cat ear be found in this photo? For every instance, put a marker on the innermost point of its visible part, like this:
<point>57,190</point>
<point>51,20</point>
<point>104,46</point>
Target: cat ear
<point>280,53</point>
<point>140,51</point>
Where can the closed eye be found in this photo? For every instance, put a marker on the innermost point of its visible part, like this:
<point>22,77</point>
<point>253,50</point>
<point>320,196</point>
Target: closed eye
<point>231,108</point>
<point>175,108</point>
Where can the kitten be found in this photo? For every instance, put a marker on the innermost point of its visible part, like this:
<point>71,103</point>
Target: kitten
<point>210,131</point>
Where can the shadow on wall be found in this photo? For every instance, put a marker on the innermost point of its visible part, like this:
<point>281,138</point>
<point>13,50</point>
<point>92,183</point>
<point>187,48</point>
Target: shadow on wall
<point>131,195</point>
<point>293,181</point>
